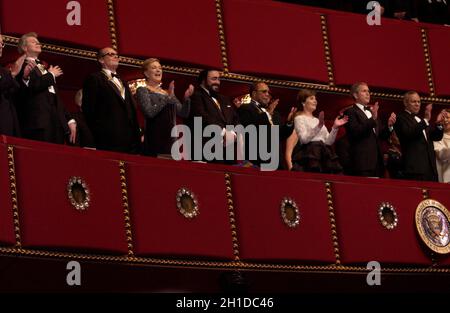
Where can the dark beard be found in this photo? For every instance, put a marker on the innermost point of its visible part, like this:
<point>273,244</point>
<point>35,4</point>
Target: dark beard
<point>212,92</point>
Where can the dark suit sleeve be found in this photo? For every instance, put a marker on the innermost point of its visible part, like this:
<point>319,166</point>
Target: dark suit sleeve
<point>89,103</point>
<point>436,133</point>
<point>407,130</point>
<point>198,109</point>
<point>40,83</point>
<point>8,85</point>
<point>247,116</point>
<point>358,128</point>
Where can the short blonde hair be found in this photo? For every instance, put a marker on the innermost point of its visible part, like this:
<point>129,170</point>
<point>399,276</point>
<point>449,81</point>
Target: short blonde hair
<point>148,62</point>
<point>23,41</point>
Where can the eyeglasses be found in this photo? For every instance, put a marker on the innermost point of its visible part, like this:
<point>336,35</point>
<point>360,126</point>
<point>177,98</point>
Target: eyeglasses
<point>111,54</point>
<point>2,44</point>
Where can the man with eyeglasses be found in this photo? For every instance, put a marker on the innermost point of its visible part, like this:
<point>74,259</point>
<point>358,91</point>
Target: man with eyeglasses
<point>261,111</point>
<point>9,124</point>
<point>109,107</point>
<point>42,114</point>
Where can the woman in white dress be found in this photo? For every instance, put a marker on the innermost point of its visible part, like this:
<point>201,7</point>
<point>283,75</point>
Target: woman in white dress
<point>442,149</point>
<point>317,154</point>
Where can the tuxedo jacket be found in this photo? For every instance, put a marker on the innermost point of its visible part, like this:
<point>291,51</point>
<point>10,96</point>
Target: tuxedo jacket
<point>9,124</point>
<point>364,146</point>
<point>251,114</point>
<point>111,118</point>
<point>202,105</point>
<point>42,113</point>
<point>418,157</point>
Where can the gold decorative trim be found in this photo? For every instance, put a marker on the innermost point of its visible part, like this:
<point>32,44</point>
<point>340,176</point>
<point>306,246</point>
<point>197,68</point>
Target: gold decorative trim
<point>112,23</point>
<point>211,264</point>
<point>222,40</point>
<point>387,210</point>
<point>126,207</point>
<point>425,194</point>
<point>333,223</point>
<point>426,51</point>
<point>187,203</point>
<point>133,62</point>
<point>432,223</point>
<point>327,49</point>
<point>78,193</point>
<point>232,215</point>
<point>289,212</point>
<point>13,190</point>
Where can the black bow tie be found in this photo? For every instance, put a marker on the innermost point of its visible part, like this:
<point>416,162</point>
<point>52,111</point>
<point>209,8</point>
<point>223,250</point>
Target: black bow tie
<point>115,75</point>
<point>367,108</point>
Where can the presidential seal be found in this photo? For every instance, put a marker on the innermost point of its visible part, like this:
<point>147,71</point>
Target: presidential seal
<point>78,193</point>
<point>432,223</point>
<point>187,203</point>
<point>290,213</point>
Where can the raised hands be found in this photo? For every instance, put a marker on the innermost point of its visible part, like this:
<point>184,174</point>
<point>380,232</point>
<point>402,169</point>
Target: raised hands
<point>321,119</point>
<point>55,70</point>
<point>272,106</point>
<point>17,66</point>
<point>189,91</point>
<point>392,119</point>
<point>28,68</point>
<point>338,122</point>
<point>171,90</point>
<point>427,113</point>
<point>291,114</point>
<point>374,110</point>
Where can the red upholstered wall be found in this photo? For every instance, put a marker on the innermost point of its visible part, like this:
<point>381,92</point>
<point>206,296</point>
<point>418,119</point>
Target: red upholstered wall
<point>6,210</point>
<point>389,55</point>
<point>48,19</point>
<point>262,233</point>
<point>362,238</point>
<point>439,38</point>
<point>159,229</point>
<point>271,38</point>
<point>175,30</point>
<point>47,217</point>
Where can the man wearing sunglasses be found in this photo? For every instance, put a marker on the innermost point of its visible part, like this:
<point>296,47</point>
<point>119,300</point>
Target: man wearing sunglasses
<point>109,108</point>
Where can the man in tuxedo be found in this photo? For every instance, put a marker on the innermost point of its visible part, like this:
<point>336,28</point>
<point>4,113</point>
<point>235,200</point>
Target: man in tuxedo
<point>214,109</point>
<point>109,107</point>
<point>364,130</point>
<point>43,115</point>
<point>9,124</point>
<point>416,137</point>
<point>261,111</point>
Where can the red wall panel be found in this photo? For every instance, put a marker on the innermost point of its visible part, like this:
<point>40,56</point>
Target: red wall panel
<point>6,211</point>
<point>270,38</point>
<point>438,39</point>
<point>175,30</point>
<point>160,229</point>
<point>48,19</point>
<point>362,238</point>
<point>46,215</point>
<point>388,56</point>
<point>261,231</point>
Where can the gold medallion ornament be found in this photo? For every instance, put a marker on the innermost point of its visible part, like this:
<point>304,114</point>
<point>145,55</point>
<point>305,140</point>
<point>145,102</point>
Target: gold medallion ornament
<point>78,193</point>
<point>387,215</point>
<point>290,213</point>
<point>187,203</point>
<point>432,223</point>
